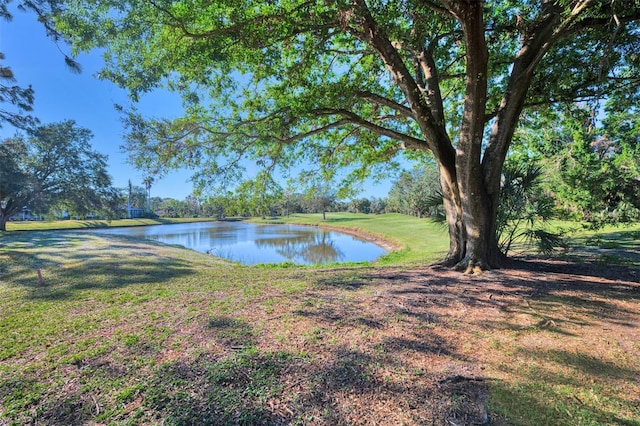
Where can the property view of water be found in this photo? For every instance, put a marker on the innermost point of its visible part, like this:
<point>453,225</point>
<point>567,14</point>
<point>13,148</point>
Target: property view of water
<point>250,243</point>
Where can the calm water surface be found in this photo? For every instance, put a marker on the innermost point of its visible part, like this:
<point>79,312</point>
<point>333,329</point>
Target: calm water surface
<point>251,243</point>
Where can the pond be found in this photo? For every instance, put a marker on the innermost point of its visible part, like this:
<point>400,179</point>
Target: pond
<point>250,243</point>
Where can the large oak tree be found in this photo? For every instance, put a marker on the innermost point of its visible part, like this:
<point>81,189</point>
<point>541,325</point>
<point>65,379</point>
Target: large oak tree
<point>353,82</point>
<point>54,166</point>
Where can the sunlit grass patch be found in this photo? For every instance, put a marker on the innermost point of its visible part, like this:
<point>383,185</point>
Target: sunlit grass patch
<point>549,393</point>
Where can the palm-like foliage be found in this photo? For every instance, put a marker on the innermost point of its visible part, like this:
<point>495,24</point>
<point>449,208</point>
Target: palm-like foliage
<point>524,209</point>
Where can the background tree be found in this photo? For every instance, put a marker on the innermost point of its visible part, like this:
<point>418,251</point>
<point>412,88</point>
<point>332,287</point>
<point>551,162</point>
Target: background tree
<point>413,192</point>
<point>621,139</point>
<point>14,180</point>
<point>171,207</point>
<point>350,83</point>
<point>156,204</point>
<point>137,195</point>
<point>590,167</point>
<point>360,205</point>
<point>320,198</point>
<point>53,166</point>
<point>193,207</point>
<point>148,181</point>
<point>378,205</point>
<point>259,196</point>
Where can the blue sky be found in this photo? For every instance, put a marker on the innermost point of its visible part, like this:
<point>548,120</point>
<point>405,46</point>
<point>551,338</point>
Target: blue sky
<point>60,95</point>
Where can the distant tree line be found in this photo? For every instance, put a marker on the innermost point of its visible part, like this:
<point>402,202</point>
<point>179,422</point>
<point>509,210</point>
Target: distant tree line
<point>564,164</point>
<point>232,204</point>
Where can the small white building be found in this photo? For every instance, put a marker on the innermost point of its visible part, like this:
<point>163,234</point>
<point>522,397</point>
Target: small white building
<point>132,212</point>
<point>25,214</point>
<point>136,212</point>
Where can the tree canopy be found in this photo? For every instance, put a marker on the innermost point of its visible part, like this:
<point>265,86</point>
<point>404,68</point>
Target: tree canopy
<point>16,103</point>
<point>53,167</point>
<point>351,83</point>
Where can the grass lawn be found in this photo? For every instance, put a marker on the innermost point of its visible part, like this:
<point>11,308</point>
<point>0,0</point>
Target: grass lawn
<point>129,332</point>
<point>82,224</point>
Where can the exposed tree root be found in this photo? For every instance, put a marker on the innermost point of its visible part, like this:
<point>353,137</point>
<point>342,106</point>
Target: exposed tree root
<point>473,265</point>
<point>447,262</point>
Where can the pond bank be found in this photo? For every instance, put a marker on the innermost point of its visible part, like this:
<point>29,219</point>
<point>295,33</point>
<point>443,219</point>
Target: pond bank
<point>359,233</point>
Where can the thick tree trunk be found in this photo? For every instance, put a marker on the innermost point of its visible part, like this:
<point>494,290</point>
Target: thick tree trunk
<point>470,180</point>
<point>473,246</point>
<point>453,214</point>
<point>5,212</point>
<point>473,241</point>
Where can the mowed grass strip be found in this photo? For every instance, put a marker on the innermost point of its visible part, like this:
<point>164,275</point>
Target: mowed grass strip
<point>121,331</point>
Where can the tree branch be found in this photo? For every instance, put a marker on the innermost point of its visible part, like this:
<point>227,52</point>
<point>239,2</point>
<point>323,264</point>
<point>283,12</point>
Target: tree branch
<point>437,8</point>
<point>557,33</point>
<point>239,29</point>
<point>436,138</point>
<point>433,93</point>
<point>380,100</point>
<point>598,22</point>
<point>409,142</point>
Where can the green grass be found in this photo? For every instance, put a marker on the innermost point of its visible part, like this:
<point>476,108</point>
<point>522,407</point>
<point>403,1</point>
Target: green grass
<point>611,244</point>
<point>136,332</point>
<point>103,319</point>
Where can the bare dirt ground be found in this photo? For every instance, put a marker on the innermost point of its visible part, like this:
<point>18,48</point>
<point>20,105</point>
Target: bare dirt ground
<point>430,346</point>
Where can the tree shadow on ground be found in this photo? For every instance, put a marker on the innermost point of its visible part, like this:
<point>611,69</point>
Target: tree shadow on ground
<point>589,269</point>
<point>535,296</point>
<point>328,383</point>
<point>267,388</point>
<point>623,239</point>
<point>382,347</point>
<point>75,261</point>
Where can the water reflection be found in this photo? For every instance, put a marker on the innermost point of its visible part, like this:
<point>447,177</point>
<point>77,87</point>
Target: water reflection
<point>309,248</point>
<point>251,243</point>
